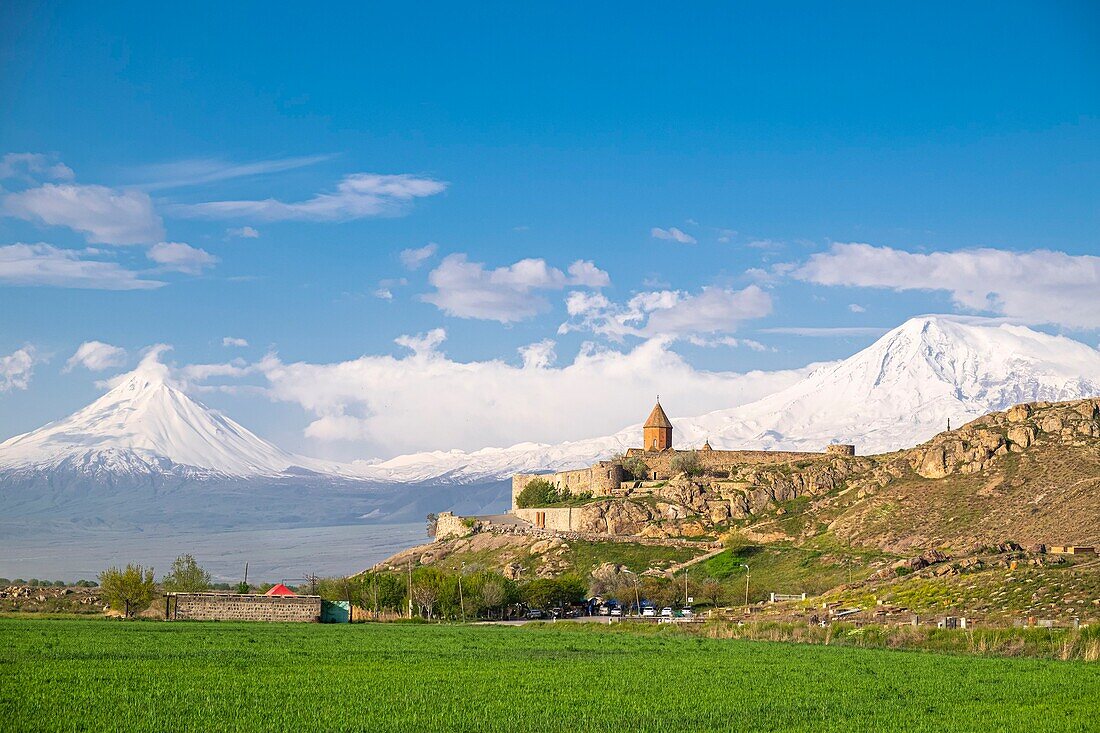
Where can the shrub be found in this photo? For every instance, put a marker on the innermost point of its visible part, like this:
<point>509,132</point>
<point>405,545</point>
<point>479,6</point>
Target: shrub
<point>688,463</point>
<point>539,492</point>
<point>736,542</point>
<point>130,590</point>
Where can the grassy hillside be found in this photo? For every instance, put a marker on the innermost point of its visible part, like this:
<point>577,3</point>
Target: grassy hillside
<point>100,675</point>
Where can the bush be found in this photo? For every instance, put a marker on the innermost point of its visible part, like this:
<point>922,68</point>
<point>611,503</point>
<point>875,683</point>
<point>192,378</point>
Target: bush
<point>539,492</point>
<point>688,463</point>
<point>736,542</point>
<point>130,590</point>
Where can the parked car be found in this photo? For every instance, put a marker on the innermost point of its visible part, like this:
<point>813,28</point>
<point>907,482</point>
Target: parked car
<point>666,612</point>
<point>649,612</point>
<point>617,611</point>
<point>604,610</point>
<point>535,613</point>
<point>574,613</point>
<point>687,613</point>
<point>556,613</point>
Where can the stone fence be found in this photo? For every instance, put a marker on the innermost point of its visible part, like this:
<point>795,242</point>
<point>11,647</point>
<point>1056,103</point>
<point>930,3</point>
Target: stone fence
<point>237,607</point>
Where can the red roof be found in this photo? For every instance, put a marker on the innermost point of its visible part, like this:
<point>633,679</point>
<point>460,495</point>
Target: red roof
<point>280,590</point>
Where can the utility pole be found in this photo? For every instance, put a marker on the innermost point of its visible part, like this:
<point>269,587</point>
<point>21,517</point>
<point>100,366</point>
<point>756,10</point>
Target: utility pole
<point>746,567</point>
<point>410,589</point>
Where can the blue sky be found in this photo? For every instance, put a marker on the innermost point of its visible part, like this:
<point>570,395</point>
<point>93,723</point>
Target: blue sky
<point>714,167</point>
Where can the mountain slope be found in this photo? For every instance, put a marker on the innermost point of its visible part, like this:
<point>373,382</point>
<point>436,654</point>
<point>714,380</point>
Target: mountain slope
<point>899,391</point>
<point>145,425</point>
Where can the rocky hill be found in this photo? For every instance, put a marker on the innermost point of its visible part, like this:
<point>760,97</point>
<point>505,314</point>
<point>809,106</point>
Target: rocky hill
<point>1026,476</point>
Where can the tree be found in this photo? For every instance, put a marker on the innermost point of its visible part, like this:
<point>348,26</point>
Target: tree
<point>186,576</point>
<point>425,595</point>
<point>688,463</point>
<point>130,590</point>
<point>636,467</point>
<point>539,492</point>
<point>492,594</point>
<point>433,523</point>
<point>712,591</point>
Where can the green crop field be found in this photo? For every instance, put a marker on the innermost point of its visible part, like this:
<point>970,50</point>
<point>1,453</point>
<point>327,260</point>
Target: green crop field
<point>155,676</point>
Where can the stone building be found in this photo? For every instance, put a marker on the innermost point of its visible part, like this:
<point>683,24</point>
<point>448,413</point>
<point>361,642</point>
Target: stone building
<point>657,431</point>
<point>609,478</point>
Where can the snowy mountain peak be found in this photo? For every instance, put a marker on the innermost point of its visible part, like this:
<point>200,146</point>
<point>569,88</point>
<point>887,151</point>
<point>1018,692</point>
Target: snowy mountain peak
<point>896,393</point>
<point>145,424</point>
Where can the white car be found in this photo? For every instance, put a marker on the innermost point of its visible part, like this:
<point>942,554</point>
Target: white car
<point>666,612</point>
<point>687,613</point>
<point>616,611</point>
<point>649,612</point>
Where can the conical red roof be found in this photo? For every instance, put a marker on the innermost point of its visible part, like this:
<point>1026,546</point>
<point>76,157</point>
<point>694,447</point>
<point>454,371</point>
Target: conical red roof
<point>658,418</point>
<point>280,590</point>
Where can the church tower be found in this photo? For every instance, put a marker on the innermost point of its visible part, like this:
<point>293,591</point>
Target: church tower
<point>657,432</point>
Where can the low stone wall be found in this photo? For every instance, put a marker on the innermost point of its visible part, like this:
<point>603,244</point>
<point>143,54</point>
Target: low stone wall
<point>236,607</point>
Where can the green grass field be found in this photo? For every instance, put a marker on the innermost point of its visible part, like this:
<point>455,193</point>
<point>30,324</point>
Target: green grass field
<point>104,675</point>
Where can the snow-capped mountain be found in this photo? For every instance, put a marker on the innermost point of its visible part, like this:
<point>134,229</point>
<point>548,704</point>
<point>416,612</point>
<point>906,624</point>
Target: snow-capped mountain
<point>144,425</point>
<point>896,393</point>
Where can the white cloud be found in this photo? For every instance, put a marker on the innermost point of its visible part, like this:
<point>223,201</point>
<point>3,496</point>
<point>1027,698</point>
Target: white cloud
<point>538,355</point>
<point>209,170</point>
<point>667,313</point>
<point>95,356</point>
<point>357,196</point>
<point>506,294</point>
<point>1040,286</point>
<point>827,332</point>
<point>43,264</point>
<point>414,258</point>
<point>180,257</point>
<point>672,234</point>
<point>711,342</point>
<point>856,308</point>
<point>233,341</point>
<point>16,369</point>
<point>383,406</point>
<point>34,167</point>
<point>584,273</point>
<point>243,232</point>
<point>103,215</point>
<point>383,294</point>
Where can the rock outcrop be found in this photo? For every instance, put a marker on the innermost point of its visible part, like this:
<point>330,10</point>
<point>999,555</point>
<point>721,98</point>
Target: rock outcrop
<point>975,446</point>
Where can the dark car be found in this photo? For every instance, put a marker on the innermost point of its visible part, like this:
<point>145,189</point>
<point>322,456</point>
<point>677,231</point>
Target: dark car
<point>535,613</point>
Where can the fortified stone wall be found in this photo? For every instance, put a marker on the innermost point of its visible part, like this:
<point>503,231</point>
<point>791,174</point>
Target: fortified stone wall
<point>602,479</point>
<point>449,525</point>
<point>716,460</point>
<point>236,607</point>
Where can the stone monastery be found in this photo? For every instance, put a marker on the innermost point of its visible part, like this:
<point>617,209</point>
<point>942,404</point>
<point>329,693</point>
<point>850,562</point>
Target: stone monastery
<point>653,463</point>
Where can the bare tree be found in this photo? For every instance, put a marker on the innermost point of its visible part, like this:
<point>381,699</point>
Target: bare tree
<point>712,591</point>
<point>492,594</point>
<point>425,596</point>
